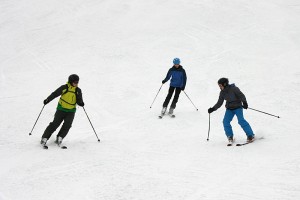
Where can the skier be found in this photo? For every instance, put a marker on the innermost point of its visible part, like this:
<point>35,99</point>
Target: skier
<point>178,81</point>
<point>70,95</point>
<point>235,102</point>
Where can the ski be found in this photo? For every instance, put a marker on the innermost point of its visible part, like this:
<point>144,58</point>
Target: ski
<point>62,147</point>
<point>245,143</point>
<point>242,144</point>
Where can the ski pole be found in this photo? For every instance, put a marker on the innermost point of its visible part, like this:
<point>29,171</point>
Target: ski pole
<point>156,95</point>
<point>91,124</point>
<point>264,112</point>
<point>36,120</point>
<point>190,100</point>
<point>208,127</point>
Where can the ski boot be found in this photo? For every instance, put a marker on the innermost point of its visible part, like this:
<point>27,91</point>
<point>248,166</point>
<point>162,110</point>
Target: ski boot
<point>58,140</point>
<point>171,112</point>
<point>250,138</point>
<point>163,111</point>
<point>230,141</point>
<point>43,143</point>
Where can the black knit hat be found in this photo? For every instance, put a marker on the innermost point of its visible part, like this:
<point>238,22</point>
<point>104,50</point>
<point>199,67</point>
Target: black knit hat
<point>73,78</point>
<point>223,81</point>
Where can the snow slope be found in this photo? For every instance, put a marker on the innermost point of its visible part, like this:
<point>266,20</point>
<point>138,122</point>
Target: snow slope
<point>122,50</point>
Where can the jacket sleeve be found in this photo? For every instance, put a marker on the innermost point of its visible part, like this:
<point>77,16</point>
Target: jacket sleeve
<point>240,95</point>
<point>184,79</point>
<point>79,99</point>
<point>56,93</point>
<point>168,76</point>
<point>220,102</point>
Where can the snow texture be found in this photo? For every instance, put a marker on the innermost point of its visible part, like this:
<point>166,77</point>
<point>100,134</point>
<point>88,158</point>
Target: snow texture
<point>122,51</point>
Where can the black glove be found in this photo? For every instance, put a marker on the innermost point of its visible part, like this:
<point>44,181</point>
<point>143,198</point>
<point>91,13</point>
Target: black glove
<point>210,110</point>
<point>163,81</point>
<point>182,88</point>
<point>46,101</point>
<point>245,105</point>
<point>81,104</point>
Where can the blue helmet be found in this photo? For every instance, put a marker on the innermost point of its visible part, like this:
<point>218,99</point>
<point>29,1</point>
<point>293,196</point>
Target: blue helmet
<point>176,61</point>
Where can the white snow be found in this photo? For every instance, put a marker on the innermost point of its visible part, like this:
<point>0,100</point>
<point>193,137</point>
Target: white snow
<point>122,51</point>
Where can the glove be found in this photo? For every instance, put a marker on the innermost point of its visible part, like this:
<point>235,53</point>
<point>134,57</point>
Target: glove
<point>210,110</point>
<point>81,104</point>
<point>163,81</point>
<point>182,88</point>
<point>46,101</point>
<point>245,105</point>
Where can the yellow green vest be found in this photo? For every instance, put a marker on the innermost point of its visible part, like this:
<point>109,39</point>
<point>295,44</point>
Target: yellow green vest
<point>67,101</point>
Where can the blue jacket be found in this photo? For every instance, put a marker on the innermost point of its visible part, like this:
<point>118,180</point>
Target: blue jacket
<point>178,77</point>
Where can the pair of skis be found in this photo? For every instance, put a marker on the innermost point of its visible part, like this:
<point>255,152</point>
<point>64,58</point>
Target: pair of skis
<point>245,143</point>
<point>162,115</point>
<point>239,144</point>
<point>46,146</point>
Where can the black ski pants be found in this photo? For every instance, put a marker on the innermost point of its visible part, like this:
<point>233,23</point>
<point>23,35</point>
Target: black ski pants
<point>169,96</point>
<point>60,116</point>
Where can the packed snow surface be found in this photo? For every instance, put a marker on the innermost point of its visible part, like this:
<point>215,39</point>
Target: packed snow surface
<point>122,51</point>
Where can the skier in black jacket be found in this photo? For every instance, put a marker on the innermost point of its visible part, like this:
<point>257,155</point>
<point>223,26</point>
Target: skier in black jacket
<point>235,102</point>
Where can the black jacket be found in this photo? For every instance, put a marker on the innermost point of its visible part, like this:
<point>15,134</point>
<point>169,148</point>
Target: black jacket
<point>233,96</point>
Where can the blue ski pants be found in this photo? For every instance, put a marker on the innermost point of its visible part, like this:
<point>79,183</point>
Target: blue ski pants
<point>229,114</point>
